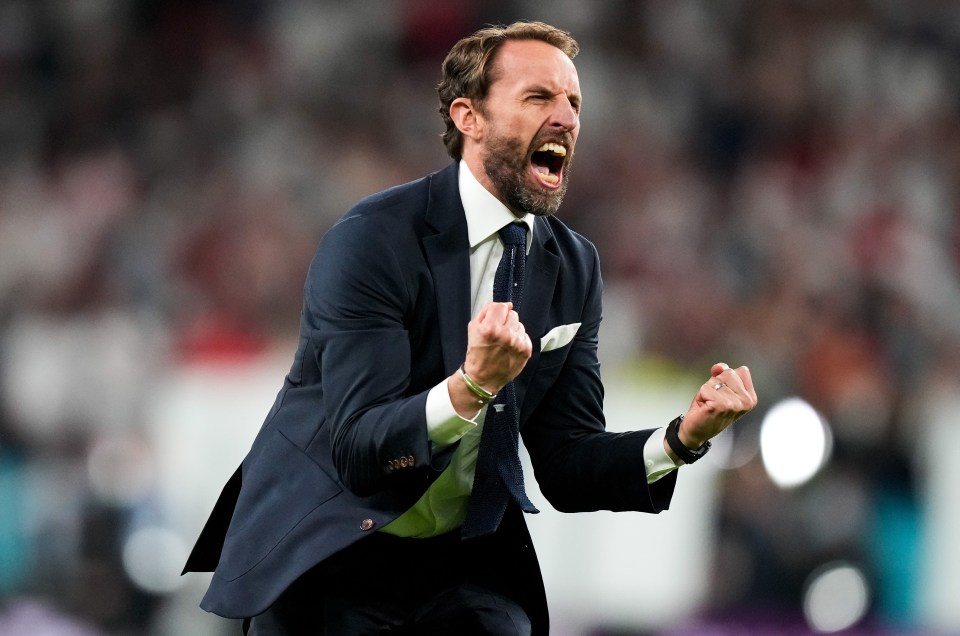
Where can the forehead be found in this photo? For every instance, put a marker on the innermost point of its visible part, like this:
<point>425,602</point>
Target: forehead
<point>522,63</point>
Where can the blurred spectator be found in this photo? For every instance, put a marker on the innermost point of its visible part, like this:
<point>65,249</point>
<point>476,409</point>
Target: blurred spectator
<point>167,167</point>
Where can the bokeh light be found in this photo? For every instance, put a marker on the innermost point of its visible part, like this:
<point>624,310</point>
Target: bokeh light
<point>794,442</point>
<point>836,597</point>
<point>153,557</point>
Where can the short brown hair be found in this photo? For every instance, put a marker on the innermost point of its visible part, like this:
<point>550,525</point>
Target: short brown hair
<point>467,69</point>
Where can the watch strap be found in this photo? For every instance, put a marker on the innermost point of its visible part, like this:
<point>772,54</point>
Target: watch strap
<point>687,455</point>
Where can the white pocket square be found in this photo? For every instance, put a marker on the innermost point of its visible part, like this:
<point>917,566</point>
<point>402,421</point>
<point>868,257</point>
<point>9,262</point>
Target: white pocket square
<point>558,337</point>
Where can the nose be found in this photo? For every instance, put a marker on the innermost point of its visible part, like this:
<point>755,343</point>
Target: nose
<point>565,116</point>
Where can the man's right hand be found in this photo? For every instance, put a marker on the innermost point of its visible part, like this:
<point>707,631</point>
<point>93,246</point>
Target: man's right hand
<point>498,348</point>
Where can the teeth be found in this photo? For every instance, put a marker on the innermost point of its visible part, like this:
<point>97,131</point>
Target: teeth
<point>552,179</point>
<point>551,147</point>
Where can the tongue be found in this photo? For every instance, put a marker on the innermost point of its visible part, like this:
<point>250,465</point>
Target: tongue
<point>546,177</point>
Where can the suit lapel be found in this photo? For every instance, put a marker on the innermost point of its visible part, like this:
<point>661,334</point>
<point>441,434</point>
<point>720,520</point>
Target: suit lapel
<point>448,255</point>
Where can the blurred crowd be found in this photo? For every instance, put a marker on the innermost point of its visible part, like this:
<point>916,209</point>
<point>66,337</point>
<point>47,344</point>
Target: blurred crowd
<point>769,182</point>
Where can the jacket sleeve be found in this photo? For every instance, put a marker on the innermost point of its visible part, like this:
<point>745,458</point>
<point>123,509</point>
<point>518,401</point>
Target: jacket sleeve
<point>357,297</point>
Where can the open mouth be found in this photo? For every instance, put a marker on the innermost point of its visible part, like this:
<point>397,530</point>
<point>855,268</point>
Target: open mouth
<point>547,163</point>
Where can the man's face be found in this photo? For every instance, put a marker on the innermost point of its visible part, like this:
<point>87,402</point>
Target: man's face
<point>532,119</point>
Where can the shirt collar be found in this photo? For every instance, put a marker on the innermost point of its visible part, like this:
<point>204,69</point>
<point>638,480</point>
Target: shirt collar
<point>486,214</point>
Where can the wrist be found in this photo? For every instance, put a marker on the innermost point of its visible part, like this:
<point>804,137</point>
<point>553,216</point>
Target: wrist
<point>686,454</point>
<point>683,434</point>
<point>481,394</point>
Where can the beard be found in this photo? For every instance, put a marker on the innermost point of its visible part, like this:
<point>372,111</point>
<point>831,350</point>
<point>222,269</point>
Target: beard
<point>507,163</point>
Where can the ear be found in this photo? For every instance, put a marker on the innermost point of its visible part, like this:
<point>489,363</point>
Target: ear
<point>466,118</point>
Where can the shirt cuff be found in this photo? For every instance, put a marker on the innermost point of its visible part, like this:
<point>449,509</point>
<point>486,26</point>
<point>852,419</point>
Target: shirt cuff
<point>655,458</point>
<point>444,425</point>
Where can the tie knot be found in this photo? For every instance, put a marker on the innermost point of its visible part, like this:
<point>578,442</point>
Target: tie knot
<point>514,234</point>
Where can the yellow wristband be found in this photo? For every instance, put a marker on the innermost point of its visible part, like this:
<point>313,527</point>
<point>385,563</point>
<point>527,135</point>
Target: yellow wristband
<point>481,393</point>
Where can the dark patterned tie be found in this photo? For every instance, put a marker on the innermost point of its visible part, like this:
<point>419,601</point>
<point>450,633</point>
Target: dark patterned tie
<point>499,476</point>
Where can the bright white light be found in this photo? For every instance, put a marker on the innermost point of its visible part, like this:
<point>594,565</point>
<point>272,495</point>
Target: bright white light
<point>836,597</point>
<point>794,442</point>
<point>153,558</point>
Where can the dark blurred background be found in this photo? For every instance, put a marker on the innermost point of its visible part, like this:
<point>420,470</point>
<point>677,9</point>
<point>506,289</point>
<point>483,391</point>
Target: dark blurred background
<point>769,182</point>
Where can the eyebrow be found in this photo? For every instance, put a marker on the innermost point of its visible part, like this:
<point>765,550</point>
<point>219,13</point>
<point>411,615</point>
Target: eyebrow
<point>540,89</point>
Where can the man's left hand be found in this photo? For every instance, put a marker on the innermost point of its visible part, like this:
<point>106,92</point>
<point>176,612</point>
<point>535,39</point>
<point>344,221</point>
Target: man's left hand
<point>721,400</point>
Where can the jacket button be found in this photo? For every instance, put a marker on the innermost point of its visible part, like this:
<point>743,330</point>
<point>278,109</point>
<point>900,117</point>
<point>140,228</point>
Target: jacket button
<point>367,524</point>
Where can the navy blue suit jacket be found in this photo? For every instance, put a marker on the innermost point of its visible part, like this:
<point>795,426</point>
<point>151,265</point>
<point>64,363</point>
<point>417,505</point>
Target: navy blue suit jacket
<point>344,449</point>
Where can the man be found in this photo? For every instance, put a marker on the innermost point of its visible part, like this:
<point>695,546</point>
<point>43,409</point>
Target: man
<point>383,493</point>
